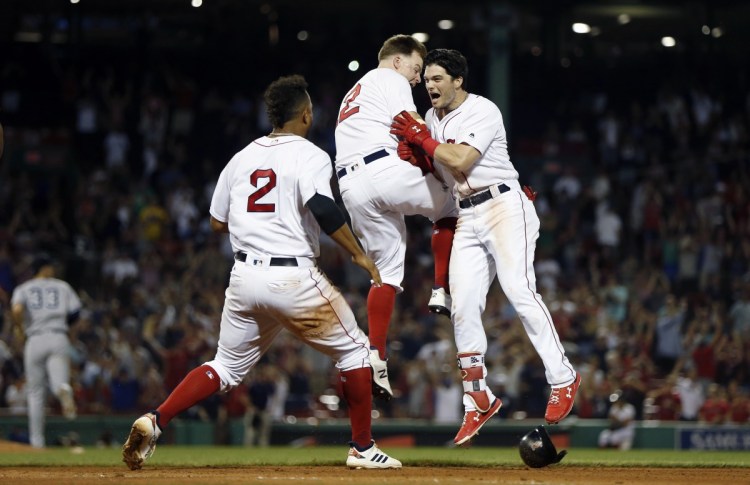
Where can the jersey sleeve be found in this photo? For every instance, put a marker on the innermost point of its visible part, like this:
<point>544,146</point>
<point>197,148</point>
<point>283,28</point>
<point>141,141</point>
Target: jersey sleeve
<point>219,209</point>
<point>18,298</point>
<point>318,165</point>
<point>480,127</point>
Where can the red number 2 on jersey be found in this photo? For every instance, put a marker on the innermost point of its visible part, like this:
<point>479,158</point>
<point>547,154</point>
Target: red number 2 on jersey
<point>347,111</point>
<point>252,205</point>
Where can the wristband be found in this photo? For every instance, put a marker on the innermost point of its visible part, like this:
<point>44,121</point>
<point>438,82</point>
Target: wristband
<point>429,145</point>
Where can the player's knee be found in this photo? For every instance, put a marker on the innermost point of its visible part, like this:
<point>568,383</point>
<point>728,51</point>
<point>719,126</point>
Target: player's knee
<point>227,378</point>
<point>356,359</point>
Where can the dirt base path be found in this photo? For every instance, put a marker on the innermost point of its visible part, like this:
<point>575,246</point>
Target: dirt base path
<point>296,475</point>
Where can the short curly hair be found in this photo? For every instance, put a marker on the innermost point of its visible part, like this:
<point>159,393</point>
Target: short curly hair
<point>451,60</point>
<point>284,98</point>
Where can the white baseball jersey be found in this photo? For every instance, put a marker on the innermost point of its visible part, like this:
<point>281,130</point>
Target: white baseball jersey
<point>261,194</point>
<point>476,122</point>
<point>380,95</point>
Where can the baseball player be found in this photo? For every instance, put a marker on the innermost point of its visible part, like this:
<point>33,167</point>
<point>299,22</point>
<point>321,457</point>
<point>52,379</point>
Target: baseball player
<point>273,197</point>
<point>41,309</point>
<point>378,189</point>
<point>496,235</point>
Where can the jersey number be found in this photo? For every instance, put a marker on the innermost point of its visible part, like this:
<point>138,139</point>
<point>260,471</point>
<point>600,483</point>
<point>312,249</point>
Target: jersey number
<point>38,300</point>
<point>252,200</point>
<point>347,111</point>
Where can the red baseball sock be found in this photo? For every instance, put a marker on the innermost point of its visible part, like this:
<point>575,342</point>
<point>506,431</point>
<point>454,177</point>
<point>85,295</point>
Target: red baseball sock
<point>380,303</point>
<point>442,242</point>
<point>357,387</point>
<point>200,383</point>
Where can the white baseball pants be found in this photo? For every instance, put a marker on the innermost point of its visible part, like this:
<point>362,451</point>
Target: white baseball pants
<point>261,300</point>
<point>498,238</point>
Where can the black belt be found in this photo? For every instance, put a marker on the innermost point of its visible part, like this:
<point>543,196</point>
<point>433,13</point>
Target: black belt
<point>242,256</point>
<point>369,158</point>
<point>483,196</point>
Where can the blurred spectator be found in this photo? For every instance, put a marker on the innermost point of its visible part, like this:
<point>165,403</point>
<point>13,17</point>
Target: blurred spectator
<point>716,407</point>
<point>257,419</point>
<point>621,431</point>
<point>669,334</point>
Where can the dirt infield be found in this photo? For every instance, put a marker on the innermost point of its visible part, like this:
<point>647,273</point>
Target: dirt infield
<point>341,475</point>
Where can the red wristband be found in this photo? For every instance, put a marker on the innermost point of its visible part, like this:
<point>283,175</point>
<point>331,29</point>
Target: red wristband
<point>430,145</point>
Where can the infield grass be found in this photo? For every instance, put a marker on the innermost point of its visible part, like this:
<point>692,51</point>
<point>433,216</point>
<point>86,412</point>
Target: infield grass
<point>235,456</point>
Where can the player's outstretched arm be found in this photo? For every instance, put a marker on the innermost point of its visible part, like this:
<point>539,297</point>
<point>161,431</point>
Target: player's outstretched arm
<point>344,237</point>
<point>333,223</point>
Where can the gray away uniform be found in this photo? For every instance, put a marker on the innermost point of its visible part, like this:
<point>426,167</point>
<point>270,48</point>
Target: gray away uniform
<point>48,303</point>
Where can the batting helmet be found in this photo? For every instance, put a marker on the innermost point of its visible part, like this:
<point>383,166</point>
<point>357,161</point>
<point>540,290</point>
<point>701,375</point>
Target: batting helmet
<point>537,450</point>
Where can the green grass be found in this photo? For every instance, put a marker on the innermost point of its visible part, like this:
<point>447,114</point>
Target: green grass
<point>234,456</point>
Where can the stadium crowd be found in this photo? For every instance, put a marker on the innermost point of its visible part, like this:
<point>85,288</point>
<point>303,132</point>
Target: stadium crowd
<point>643,256</point>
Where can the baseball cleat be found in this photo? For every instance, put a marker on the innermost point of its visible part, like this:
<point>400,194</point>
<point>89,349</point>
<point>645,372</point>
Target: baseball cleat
<point>381,388</point>
<point>141,441</point>
<point>67,403</point>
<point>372,457</point>
<point>561,401</point>
<point>440,302</point>
<point>473,422</point>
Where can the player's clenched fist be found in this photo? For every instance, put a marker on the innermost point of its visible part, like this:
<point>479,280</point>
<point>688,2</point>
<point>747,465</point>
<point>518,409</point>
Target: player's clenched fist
<point>415,156</point>
<point>416,133</point>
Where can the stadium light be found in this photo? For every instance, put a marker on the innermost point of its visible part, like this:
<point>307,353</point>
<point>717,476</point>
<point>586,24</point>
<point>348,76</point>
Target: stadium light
<point>421,36</point>
<point>717,32</point>
<point>623,19</point>
<point>581,28</point>
<point>303,35</point>
<point>445,24</point>
<point>74,1</point>
<point>196,3</point>
<point>706,30</point>
<point>353,65</point>
<point>668,41</point>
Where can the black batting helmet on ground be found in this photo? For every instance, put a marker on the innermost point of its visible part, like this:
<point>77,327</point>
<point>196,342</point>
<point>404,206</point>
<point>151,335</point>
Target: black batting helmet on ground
<point>537,450</point>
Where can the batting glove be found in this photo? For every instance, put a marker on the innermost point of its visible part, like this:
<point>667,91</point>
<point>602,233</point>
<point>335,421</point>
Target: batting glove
<point>415,156</point>
<point>416,133</point>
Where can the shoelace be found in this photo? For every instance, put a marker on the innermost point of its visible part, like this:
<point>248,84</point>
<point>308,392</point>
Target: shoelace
<point>554,398</point>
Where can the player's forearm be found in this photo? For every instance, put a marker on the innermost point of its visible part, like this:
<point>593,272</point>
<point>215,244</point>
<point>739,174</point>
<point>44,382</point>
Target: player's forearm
<point>218,226</point>
<point>344,238</point>
<point>456,157</point>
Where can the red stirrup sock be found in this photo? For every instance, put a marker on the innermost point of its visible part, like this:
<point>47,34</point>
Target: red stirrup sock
<point>357,387</point>
<point>200,383</point>
<point>380,303</point>
<point>442,242</point>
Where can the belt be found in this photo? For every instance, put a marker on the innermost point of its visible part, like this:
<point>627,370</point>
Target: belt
<point>483,196</point>
<point>367,159</point>
<point>242,256</point>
